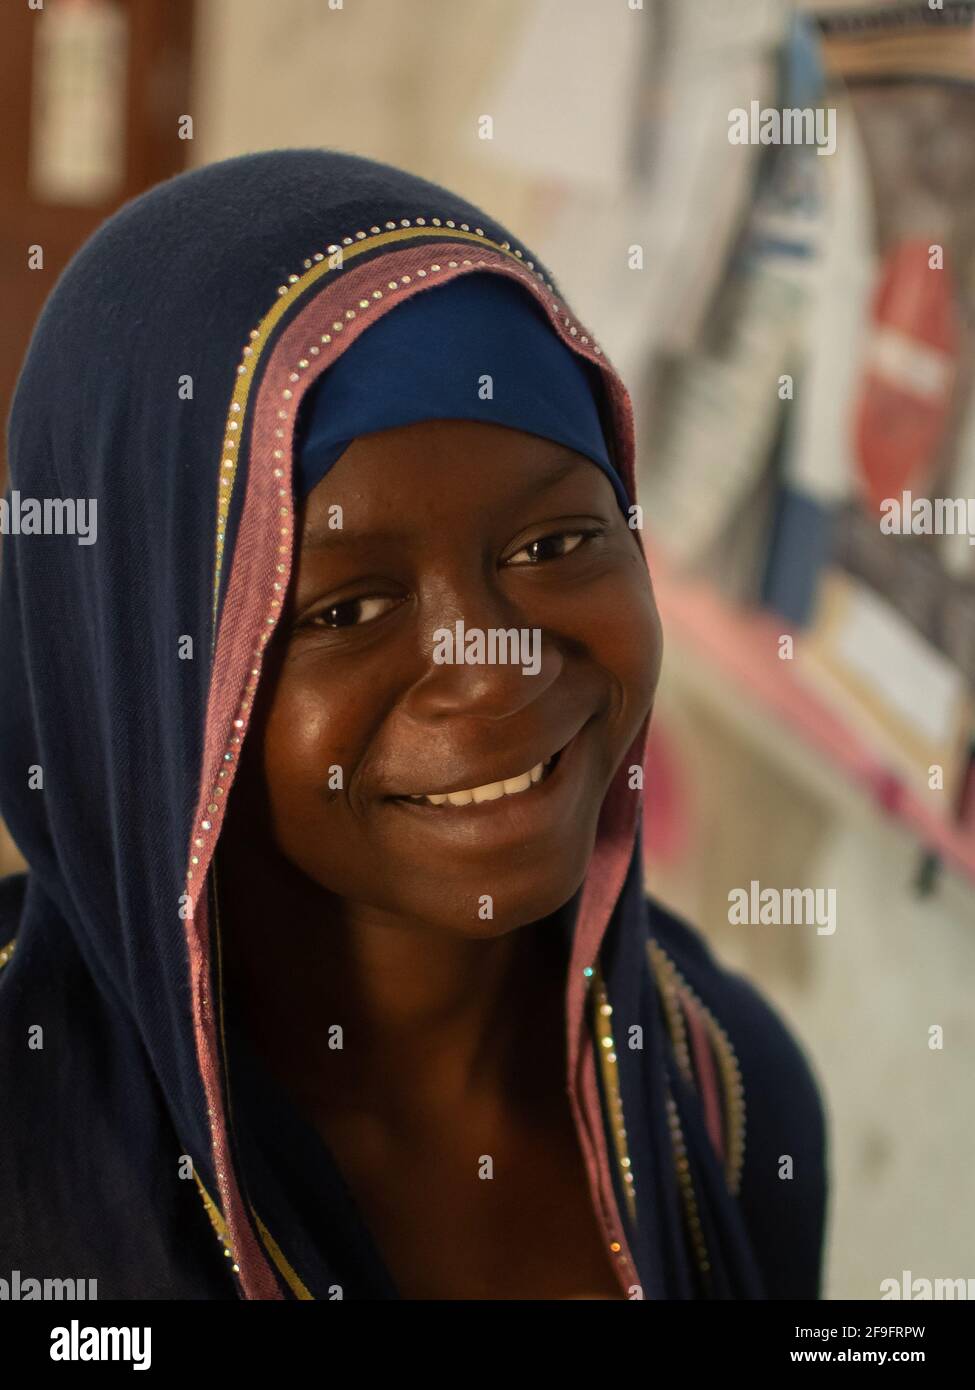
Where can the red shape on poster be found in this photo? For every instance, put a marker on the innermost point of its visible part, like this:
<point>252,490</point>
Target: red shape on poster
<point>909,370</point>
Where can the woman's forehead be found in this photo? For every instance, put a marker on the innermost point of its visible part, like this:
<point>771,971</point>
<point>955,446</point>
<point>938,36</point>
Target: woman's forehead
<point>411,465</point>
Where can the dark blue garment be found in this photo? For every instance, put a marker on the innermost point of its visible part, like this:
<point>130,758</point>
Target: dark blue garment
<point>107,660</point>
<point>770,1248</point>
<point>432,356</point>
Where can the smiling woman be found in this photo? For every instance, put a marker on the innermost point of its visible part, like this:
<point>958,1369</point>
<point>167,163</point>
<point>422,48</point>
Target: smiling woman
<point>345,935</point>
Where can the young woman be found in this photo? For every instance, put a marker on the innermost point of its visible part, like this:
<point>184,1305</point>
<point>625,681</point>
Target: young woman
<point>326,759</point>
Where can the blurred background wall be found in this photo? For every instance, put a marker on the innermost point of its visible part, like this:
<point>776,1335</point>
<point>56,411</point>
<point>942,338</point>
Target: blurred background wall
<point>794,322</point>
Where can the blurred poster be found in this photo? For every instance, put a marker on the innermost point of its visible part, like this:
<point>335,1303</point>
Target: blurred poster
<point>896,620</point>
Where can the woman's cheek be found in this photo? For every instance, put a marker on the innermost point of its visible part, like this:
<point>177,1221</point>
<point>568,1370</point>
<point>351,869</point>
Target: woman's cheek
<point>304,744</point>
<point>625,636</point>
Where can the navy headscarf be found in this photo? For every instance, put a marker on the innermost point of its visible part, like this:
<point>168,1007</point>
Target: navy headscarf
<point>165,380</point>
<point>478,349</point>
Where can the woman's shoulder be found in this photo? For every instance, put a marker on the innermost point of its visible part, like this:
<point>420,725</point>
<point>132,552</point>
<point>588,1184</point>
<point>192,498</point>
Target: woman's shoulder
<point>766,1074</point>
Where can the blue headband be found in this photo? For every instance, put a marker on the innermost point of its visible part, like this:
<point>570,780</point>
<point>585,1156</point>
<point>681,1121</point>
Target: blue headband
<point>424,360</point>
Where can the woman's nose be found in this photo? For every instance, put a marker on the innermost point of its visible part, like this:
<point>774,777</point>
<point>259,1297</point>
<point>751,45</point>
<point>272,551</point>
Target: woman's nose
<point>482,657</point>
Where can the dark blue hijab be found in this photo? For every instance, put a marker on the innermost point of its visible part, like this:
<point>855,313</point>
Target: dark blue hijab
<point>478,349</point>
<point>144,1144</point>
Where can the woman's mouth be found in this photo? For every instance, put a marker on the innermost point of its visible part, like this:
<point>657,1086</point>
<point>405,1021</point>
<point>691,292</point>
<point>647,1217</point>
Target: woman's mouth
<point>546,800</point>
<point>490,791</point>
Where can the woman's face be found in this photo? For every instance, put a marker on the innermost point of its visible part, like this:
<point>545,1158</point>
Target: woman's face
<point>443,523</point>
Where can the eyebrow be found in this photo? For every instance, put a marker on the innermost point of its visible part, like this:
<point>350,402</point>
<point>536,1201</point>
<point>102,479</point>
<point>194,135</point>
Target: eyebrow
<point>323,537</point>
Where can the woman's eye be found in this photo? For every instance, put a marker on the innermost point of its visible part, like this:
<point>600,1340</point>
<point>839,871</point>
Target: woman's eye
<point>356,612</point>
<point>552,547</point>
<point>353,612</point>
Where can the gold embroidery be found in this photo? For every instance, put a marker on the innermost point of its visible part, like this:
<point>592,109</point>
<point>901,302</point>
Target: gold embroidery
<point>223,1235</point>
<point>672,1011</point>
<point>686,1185</point>
<point>732,1085</point>
<point>606,1049</point>
<point>296,1285</point>
<point>216,1219</point>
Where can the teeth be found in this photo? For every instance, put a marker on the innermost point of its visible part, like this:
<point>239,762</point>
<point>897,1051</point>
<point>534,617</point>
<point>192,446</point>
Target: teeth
<point>491,791</point>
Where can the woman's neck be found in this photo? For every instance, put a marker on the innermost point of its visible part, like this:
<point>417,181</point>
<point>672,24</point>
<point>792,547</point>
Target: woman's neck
<point>430,1020</point>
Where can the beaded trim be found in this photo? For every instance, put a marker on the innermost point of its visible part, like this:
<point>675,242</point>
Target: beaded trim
<point>610,1072</point>
<point>7,951</point>
<point>217,1222</point>
<point>686,1185</point>
<point>606,1047</point>
<point>670,980</point>
<point>672,1012</point>
<point>298,1288</point>
<point>223,1235</point>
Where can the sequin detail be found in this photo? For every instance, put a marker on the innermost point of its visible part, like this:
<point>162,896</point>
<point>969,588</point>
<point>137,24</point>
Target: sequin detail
<point>669,980</point>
